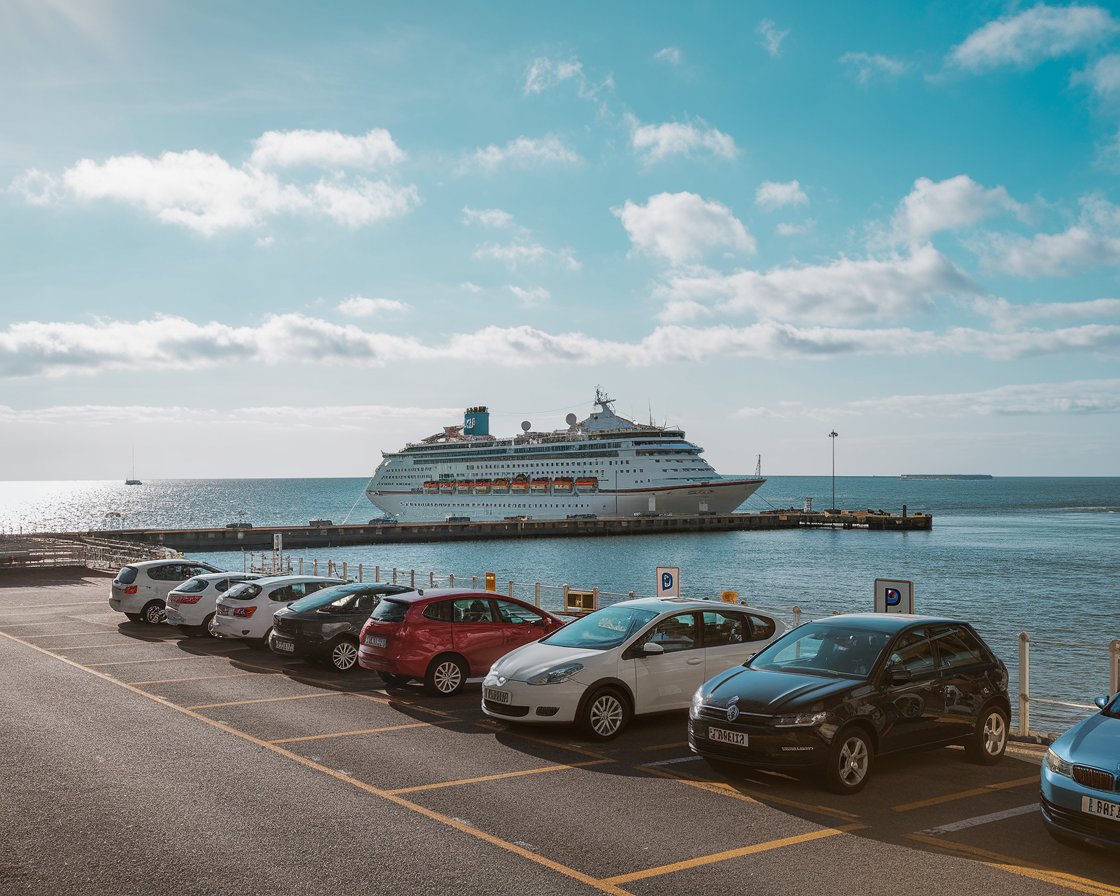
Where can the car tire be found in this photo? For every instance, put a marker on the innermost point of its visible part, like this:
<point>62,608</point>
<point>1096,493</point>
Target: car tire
<point>446,676</point>
<point>848,765</point>
<point>153,612</point>
<point>989,740</point>
<point>208,628</point>
<point>343,656</point>
<point>605,713</point>
<point>394,681</point>
<point>134,617</point>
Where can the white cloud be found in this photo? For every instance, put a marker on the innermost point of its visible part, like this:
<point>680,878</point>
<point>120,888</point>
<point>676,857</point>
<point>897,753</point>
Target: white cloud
<point>672,55</point>
<point>204,193</point>
<point>771,194</point>
<point>1093,241</point>
<point>951,204</point>
<point>789,229</point>
<point>1028,38</point>
<point>1030,399</point>
<point>530,297</point>
<point>358,306</point>
<point>868,66</point>
<point>325,149</point>
<point>545,73</point>
<point>526,151</point>
<point>175,343</point>
<point>682,227</point>
<point>842,291</point>
<point>770,37</point>
<point>1006,315</point>
<point>657,142</point>
<point>520,252</point>
<point>493,218</point>
<point>1103,76</point>
<point>470,287</point>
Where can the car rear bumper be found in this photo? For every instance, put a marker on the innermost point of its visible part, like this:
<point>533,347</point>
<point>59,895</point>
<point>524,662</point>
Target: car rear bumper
<point>127,603</point>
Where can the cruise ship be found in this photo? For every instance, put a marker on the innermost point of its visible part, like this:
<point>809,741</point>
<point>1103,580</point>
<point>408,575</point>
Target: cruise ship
<point>605,465</point>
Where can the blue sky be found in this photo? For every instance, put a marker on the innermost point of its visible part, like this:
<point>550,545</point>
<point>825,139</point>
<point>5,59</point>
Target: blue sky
<point>274,239</point>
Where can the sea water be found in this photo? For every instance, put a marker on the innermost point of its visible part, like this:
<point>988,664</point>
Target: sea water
<point>1036,555</point>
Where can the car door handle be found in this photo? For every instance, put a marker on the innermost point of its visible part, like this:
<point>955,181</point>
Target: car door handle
<point>695,661</point>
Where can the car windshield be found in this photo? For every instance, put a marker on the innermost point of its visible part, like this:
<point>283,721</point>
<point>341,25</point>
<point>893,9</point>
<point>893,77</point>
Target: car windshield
<point>601,630</point>
<point>337,596</point>
<point>192,586</point>
<point>127,575</point>
<point>389,610</point>
<point>832,651</point>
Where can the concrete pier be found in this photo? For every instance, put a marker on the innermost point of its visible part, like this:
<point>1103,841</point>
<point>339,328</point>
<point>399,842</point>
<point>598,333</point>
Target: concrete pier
<point>260,538</point>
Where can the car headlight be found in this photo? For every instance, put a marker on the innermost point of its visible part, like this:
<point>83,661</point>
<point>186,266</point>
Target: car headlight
<point>800,720</point>
<point>1058,765</point>
<point>335,628</point>
<point>697,702</point>
<point>556,674</point>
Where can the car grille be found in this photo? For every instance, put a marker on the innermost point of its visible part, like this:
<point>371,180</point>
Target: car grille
<point>719,714</point>
<point>1082,823</point>
<point>504,709</point>
<point>1093,777</point>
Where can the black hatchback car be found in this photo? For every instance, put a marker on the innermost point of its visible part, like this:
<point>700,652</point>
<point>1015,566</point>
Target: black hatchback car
<point>833,694</point>
<point>325,625</point>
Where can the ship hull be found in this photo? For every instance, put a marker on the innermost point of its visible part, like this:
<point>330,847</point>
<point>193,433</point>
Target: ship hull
<point>717,496</point>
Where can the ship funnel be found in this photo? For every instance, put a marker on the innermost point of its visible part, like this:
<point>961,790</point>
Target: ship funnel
<point>476,421</point>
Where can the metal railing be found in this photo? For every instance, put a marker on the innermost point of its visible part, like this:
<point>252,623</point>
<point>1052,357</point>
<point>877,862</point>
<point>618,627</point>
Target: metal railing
<point>38,552</point>
<point>1026,698</point>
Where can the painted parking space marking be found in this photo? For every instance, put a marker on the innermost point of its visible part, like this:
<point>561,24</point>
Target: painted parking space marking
<point>176,680</point>
<point>981,819</point>
<point>731,854</point>
<point>59,635</point>
<point>556,767</point>
<point>676,761</point>
<point>966,794</point>
<point>67,621</point>
<point>267,700</point>
<point>333,734</point>
<point>50,608</point>
<point>162,659</point>
<point>1022,867</point>
<point>677,744</point>
<point>103,646</point>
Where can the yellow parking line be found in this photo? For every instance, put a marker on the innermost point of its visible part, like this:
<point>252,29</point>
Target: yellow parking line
<point>295,740</point>
<point>59,635</point>
<point>730,854</point>
<point>96,646</point>
<point>164,659</point>
<point>1022,867</point>
<point>453,823</point>
<point>965,794</point>
<point>174,680</point>
<point>558,767</point>
<point>266,700</point>
<point>744,793</point>
<point>569,747</point>
<point>673,746</point>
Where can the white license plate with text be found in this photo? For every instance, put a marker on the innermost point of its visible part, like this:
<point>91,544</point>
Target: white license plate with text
<point>286,646</point>
<point>376,641</point>
<point>497,696</point>
<point>723,736</point>
<point>1103,808</point>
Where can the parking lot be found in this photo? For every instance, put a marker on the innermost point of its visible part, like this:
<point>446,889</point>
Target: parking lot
<point>638,815</point>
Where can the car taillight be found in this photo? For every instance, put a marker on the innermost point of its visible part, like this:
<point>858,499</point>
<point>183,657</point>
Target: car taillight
<point>188,598</point>
<point>131,589</point>
<point>244,612</point>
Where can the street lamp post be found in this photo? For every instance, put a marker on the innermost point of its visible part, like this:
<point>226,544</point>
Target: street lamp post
<point>832,435</point>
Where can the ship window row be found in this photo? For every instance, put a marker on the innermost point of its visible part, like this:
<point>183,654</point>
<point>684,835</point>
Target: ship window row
<point>540,466</point>
<point>479,506</point>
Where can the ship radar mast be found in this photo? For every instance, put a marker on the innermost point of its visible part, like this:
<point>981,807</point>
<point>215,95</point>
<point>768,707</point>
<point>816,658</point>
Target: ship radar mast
<point>603,400</point>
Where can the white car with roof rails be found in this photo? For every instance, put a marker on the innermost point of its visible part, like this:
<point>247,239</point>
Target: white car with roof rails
<point>634,657</point>
<point>191,605</point>
<point>246,610</point>
<point>140,589</point>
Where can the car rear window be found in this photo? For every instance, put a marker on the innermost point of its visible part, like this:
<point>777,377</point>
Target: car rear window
<point>244,591</point>
<point>192,586</point>
<point>127,575</point>
<point>389,610</point>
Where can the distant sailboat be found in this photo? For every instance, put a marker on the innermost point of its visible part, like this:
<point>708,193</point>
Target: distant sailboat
<point>133,480</point>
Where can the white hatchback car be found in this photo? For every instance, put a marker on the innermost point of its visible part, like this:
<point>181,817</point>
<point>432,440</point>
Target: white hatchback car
<point>634,657</point>
<point>246,610</point>
<point>140,589</point>
<point>191,605</point>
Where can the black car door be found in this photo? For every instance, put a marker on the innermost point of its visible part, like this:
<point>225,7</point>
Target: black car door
<point>911,693</point>
<point>964,666</point>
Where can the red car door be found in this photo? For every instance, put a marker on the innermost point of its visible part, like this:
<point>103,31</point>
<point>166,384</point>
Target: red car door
<point>476,634</point>
<point>521,624</point>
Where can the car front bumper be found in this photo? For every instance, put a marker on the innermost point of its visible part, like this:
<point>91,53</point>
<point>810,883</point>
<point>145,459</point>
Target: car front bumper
<point>537,704</point>
<point>764,747</point>
<point>1062,803</point>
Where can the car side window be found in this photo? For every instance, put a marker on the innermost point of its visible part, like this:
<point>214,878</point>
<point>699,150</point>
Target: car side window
<point>198,571</point>
<point>722,628</point>
<point>762,627</point>
<point>365,603</point>
<point>168,573</point>
<point>285,593</point>
<point>441,610</point>
<point>515,614</point>
<point>221,585</point>
<point>675,633</point>
<point>913,652</point>
<point>957,647</point>
<point>473,609</point>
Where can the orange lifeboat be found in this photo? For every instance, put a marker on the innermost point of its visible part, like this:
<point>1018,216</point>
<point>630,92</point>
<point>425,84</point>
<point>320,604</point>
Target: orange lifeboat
<point>500,485</point>
<point>431,487</point>
<point>446,487</point>
<point>482,487</point>
<point>539,485</point>
<point>563,484</point>
<point>588,482</point>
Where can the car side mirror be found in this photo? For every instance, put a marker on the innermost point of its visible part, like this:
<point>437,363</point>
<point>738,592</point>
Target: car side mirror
<point>1102,701</point>
<point>900,676</point>
<point>651,648</point>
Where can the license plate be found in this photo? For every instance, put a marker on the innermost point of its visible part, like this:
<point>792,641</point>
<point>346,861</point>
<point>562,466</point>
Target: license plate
<point>723,736</point>
<point>497,696</point>
<point>376,641</point>
<point>1103,808</point>
<point>285,646</point>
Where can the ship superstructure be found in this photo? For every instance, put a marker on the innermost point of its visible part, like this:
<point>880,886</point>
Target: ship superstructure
<point>605,465</point>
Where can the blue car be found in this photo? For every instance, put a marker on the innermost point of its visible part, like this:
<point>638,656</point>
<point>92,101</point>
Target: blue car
<point>1081,780</point>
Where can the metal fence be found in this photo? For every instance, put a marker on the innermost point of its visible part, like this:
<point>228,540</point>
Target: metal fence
<point>41,552</point>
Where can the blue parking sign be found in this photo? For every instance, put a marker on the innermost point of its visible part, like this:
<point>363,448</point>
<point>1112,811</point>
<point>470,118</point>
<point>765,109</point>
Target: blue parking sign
<point>668,581</point>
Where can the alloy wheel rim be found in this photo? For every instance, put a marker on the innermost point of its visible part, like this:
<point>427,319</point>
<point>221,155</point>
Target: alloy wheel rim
<point>853,761</point>
<point>344,656</point>
<point>606,715</point>
<point>211,627</point>
<point>447,677</point>
<point>994,734</point>
<point>154,615</point>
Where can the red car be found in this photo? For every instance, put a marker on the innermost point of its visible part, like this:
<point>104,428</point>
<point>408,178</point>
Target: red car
<point>445,636</point>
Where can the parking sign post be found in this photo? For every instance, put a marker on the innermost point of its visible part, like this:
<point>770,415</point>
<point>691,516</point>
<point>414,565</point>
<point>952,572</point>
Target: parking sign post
<point>894,596</point>
<point>668,581</point>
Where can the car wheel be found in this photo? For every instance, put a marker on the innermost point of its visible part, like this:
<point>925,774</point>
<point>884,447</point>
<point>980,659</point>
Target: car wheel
<point>989,740</point>
<point>152,614</point>
<point>849,762</point>
<point>134,617</point>
<point>446,676</point>
<point>209,628</point>
<point>394,681</point>
<point>605,713</point>
<point>344,655</point>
